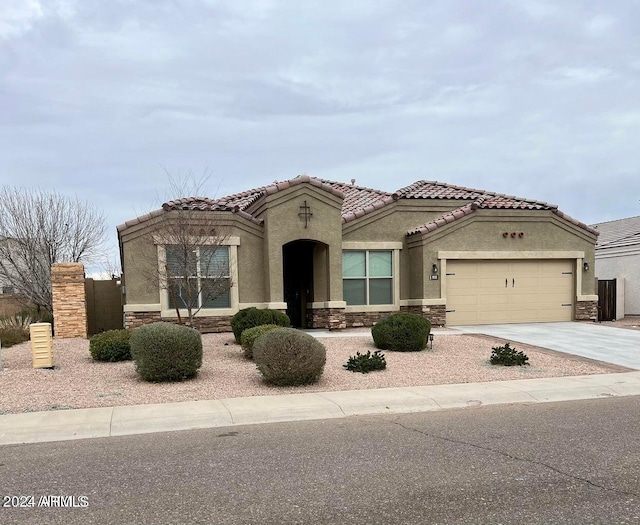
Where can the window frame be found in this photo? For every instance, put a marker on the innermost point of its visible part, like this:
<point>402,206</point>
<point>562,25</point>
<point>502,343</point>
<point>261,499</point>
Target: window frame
<point>166,311</point>
<point>198,277</point>
<point>367,278</point>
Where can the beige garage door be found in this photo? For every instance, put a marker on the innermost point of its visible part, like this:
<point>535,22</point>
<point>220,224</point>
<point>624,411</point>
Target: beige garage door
<point>486,292</point>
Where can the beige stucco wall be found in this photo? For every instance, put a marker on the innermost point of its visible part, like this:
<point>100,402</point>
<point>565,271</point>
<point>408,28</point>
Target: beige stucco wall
<point>483,231</point>
<point>391,224</point>
<point>260,253</point>
<point>283,225</point>
<point>140,259</point>
<point>140,277</point>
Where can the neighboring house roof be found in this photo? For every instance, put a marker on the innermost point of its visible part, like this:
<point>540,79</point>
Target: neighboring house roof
<point>618,233</point>
<point>359,201</point>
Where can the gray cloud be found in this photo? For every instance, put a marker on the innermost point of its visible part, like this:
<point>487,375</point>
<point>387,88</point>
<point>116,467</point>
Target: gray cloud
<point>531,98</point>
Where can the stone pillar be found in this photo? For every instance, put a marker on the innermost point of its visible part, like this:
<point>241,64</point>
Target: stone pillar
<point>69,301</point>
<point>586,310</point>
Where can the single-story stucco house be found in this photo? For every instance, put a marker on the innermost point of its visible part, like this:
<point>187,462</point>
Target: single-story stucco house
<point>618,266</point>
<point>335,255</point>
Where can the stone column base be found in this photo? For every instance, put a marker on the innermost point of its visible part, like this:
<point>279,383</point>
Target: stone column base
<point>136,319</point>
<point>586,310</point>
<point>359,319</point>
<point>437,314</point>
<point>328,318</point>
<point>207,325</point>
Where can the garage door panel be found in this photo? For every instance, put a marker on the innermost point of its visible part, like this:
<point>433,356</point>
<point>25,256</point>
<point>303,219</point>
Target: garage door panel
<point>535,291</point>
<point>494,301</point>
<point>491,284</point>
<point>467,300</point>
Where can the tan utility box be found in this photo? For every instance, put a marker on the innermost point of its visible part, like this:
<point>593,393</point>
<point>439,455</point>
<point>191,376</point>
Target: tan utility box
<point>41,345</point>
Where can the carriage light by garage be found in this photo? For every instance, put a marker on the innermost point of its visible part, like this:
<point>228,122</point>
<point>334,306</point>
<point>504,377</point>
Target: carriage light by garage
<point>585,267</point>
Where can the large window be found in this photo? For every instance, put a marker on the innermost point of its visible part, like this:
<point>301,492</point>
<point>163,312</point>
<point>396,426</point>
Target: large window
<point>199,277</point>
<point>367,277</point>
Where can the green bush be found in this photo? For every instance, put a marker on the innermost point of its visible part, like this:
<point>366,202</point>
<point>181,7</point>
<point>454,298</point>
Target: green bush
<point>249,336</point>
<point>13,335</point>
<point>403,332</point>
<point>286,357</point>
<point>507,356</point>
<point>250,317</point>
<point>366,363</point>
<point>166,351</point>
<point>111,346</point>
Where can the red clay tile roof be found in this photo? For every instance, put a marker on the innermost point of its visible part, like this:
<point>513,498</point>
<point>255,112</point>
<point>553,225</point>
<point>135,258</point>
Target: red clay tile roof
<point>358,198</point>
<point>490,201</point>
<point>448,217</point>
<point>576,222</point>
<point>194,203</point>
<point>427,189</point>
<point>246,198</point>
<point>359,201</point>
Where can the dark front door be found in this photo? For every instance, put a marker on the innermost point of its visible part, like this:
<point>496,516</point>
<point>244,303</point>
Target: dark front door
<point>607,300</point>
<point>297,259</point>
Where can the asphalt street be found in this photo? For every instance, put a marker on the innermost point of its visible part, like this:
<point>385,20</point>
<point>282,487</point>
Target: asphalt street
<point>574,462</point>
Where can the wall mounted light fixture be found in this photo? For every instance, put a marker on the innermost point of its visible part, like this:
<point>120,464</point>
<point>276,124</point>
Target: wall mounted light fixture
<point>585,267</point>
<point>434,268</point>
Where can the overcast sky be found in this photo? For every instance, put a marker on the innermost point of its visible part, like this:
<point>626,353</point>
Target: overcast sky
<point>533,98</point>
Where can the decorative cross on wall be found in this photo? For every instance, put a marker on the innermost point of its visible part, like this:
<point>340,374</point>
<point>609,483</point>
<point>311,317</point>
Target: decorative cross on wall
<point>305,212</point>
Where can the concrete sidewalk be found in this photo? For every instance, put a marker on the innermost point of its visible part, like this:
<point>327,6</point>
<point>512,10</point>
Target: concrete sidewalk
<point>140,419</point>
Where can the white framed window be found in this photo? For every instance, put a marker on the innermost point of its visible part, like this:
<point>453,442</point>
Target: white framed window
<point>198,276</point>
<point>367,277</point>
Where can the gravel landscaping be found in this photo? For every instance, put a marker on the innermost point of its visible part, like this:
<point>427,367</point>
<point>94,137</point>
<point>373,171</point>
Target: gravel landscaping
<point>79,382</point>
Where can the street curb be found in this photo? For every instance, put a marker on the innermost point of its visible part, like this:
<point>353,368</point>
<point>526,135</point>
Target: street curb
<point>39,427</point>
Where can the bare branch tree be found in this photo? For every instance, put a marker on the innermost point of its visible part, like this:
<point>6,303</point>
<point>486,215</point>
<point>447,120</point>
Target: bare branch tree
<point>195,269</point>
<point>39,228</point>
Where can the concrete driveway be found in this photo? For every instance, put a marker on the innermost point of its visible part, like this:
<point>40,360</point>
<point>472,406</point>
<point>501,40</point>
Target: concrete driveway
<point>604,343</point>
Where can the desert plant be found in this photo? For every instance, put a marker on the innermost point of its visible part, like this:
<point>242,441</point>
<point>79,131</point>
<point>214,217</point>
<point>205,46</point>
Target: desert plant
<point>286,356</point>
<point>166,351</point>
<point>19,320</point>
<point>13,335</point>
<point>403,332</point>
<point>249,336</point>
<point>111,346</point>
<point>250,317</point>
<point>507,356</point>
<point>23,319</point>
<point>366,363</point>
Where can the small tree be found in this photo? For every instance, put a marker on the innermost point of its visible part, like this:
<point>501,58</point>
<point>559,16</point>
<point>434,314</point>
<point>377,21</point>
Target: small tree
<point>195,271</point>
<point>39,228</point>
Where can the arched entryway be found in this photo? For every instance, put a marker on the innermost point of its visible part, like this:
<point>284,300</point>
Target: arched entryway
<point>299,259</point>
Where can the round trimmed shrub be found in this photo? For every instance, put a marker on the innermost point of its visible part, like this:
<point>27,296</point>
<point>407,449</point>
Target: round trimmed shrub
<point>403,332</point>
<point>289,357</point>
<point>250,317</point>
<point>249,336</point>
<point>166,351</point>
<point>111,346</point>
